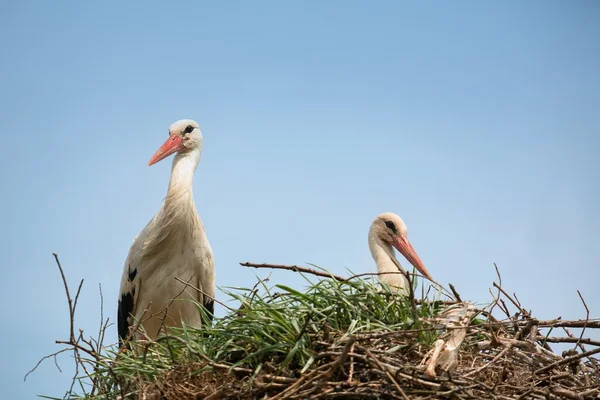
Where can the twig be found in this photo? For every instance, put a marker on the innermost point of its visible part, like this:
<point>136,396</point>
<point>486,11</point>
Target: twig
<point>493,360</point>
<point>363,274</point>
<point>45,358</point>
<point>166,309</point>
<point>74,342</point>
<point>455,292</point>
<point>351,369</point>
<point>579,340</point>
<point>411,297</point>
<point>205,294</point>
<point>515,302</point>
<point>580,323</point>
<point>567,360</point>
<point>387,372</point>
<point>587,318</point>
<point>71,310</point>
<point>167,338</point>
<point>497,297</point>
<point>295,268</point>
<point>339,362</point>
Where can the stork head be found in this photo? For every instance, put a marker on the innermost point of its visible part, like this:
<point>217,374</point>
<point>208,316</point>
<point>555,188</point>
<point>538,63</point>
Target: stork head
<point>392,230</point>
<point>184,135</point>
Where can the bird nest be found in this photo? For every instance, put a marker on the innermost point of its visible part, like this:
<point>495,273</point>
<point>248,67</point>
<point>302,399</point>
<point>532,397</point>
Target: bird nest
<point>347,338</point>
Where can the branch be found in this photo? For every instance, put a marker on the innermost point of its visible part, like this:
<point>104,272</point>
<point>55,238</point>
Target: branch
<point>580,323</point>
<point>567,360</point>
<point>295,268</point>
<point>455,292</point>
<point>71,307</point>
<point>587,318</point>
<point>45,358</point>
<point>205,294</point>
<point>569,340</point>
<point>515,302</point>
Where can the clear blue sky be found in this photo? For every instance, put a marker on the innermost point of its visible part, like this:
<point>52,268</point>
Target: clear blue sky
<point>478,123</point>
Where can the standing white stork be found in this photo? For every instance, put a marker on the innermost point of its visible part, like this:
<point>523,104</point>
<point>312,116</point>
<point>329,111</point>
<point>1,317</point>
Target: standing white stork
<point>172,245</point>
<point>389,230</point>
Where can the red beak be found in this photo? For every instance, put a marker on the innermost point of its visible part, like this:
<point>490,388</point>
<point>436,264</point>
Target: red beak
<point>172,145</point>
<point>402,244</point>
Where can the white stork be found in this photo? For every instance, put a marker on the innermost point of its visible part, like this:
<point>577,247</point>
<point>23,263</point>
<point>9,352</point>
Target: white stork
<point>172,245</point>
<point>389,230</point>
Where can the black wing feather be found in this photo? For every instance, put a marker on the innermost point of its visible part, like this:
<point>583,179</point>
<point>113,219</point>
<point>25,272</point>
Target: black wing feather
<point>125,308</point>
<point>209,306</point>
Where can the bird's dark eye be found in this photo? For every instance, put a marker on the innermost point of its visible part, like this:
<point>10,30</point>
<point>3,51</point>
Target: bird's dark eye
<point>391,226</point>
<point>188,129</point>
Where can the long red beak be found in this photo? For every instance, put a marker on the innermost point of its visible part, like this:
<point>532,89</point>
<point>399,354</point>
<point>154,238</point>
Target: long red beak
<point>172,145</point>
<point>402,244</point>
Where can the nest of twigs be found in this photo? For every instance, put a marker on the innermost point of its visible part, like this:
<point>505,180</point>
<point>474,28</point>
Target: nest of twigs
<point>348,338</point>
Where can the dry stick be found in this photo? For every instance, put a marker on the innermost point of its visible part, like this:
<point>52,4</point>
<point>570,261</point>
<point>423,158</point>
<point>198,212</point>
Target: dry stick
<point>71,311</point>
<point>304,327</point>
<point>497,297</point>
<point>207,295</point>
<point>254,289</point>
<point>45,358</point>
<point>295,268</point>
<point>569,340</point>
<point>502,305</point>
<point>579,323</point>
<point>515,303</point>
<point>545,324</point>
<point>389,273</point>
<point>411,297</point>
<point>497,302</point>
<point>100,331</point>
<point>288,391</point>
<point>496,358</point>
<point>567,360</point>
<point>520,306</point>
<point>351,370</point>
<point>73,341</point>
<point>166,309</point>
<point>587,318</point>
<point>387,372</point>
<point>455,292</point>
<point>138,323</point>
<point>101,334</point>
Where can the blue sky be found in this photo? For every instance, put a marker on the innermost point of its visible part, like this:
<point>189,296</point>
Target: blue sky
<point>477,123</point>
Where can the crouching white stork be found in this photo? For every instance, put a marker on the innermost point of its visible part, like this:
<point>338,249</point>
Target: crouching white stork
<point>172,245</point>
<point>389,230</point>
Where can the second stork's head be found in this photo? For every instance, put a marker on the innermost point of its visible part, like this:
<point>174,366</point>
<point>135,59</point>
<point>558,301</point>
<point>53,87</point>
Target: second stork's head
<point>184,136</point>
<point>391,230</point>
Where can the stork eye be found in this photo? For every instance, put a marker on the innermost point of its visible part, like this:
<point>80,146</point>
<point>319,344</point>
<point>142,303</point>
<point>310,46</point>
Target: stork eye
<point>188,129</point>
<point>391,226</point>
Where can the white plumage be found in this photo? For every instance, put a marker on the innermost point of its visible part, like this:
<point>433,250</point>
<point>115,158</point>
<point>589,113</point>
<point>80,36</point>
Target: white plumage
<point>172,245</point>
<point>389,230</point>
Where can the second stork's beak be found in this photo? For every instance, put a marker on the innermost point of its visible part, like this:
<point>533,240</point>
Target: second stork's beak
<point>402,244</point>
<point>172,145</point>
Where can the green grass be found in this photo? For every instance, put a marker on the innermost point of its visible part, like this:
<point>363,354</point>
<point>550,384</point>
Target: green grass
<point>274,329</point>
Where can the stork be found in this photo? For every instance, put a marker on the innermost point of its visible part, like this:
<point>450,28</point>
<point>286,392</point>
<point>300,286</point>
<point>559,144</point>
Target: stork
<point>389,230</point>
<point>169,270</point>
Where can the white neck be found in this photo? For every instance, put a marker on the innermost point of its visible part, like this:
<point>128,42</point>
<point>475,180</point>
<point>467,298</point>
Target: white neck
<point>178,207</point>
<point>383,254</point>
<point>182,176</point>
<point>177,219</point>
